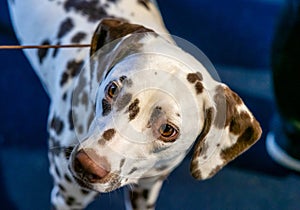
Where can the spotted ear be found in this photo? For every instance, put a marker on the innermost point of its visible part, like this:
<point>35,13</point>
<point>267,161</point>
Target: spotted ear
<point>229,129</point>
<point>109,30</point>
<point>112,43</point>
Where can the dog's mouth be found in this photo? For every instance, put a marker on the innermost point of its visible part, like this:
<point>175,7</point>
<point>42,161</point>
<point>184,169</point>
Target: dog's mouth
<point>93,172</point>
<point>110,183</point>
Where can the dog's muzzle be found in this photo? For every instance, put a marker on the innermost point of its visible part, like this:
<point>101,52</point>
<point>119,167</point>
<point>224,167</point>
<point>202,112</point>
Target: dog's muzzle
<point>88,170</point>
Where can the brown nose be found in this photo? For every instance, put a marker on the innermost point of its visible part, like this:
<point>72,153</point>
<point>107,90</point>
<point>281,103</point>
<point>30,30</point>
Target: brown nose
<point>90,166</point>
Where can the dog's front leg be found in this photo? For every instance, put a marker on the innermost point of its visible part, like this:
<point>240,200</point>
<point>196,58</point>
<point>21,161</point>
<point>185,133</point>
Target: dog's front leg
<point>143,196</point>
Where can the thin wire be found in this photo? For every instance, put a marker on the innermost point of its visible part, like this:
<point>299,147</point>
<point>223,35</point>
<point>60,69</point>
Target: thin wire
<point>13,47</point>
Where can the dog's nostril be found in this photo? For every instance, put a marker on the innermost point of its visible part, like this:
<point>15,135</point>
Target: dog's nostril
<point>90,167</point>
<point>77,166</point>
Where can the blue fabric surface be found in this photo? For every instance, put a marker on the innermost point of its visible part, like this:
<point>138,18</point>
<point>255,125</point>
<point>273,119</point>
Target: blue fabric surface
<point>233,33</point>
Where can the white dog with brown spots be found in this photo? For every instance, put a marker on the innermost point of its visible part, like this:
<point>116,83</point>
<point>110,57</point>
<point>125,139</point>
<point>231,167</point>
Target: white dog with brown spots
<point>127,110</point>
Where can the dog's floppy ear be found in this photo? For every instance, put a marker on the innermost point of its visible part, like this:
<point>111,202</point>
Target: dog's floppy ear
<point>229,129</point>
<point>111,29</point>
<point>112,41</point>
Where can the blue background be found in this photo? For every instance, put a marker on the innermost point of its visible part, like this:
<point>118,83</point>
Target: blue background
<point>236,35</point>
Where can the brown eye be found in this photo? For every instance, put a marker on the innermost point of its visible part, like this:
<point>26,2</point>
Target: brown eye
<point>168,133</point>
<point>112,90</point>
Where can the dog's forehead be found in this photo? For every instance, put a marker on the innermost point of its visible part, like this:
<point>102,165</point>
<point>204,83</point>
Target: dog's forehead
<point>161,80</point>
<point>150,68</point>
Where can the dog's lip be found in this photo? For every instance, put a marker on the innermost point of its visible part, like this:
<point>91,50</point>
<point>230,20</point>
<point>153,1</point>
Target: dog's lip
<point>83,183</point>
<point>110,178</point>
<point>110,184</point>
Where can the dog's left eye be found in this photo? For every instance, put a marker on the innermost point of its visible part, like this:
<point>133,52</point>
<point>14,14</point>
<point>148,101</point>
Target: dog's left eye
<point>168,133</point>
<point>112,90</point>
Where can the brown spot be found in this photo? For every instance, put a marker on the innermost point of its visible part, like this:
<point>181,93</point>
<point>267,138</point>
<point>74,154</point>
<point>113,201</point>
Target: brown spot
<point>57,171</point>
<point>71,122</point>
<point>90,120</point>
<point>249,136</point>
<point>132,170</point>
<point>109,134</point>
<point>68,151</point>
<point>215,170</point>
<point>55,51</point>
<point>70,200</point>
<point>144,3</point>
<point>193,77</point>
<point>145,193</point>
<point>73,68</point>
<point>61,188</point>
<point>128,82</point>
<point>80,129</point>
<point>122,78</point>
<point>64,78</point>
<point>42,53</point>
<point>85,192</point>
<point>155,115</point>
<point>199,87</point>
<point>64,97</point>
<point>232,101</point>
<point>78,37</point>
<point>75,118</point>
<point>196,173</point>
<point>123,101</point>
<point>122,162</point>
<point>221,107</point>
<point>57,125</point>
<point>200,146</point>
<point>239,123</point>
<point>133,109</point>
<point>203,149</point>
<point>162,168</point>
<point>54,146</point>
<point>65,27</point>
<point>106,107</point>
<point>67,178</point>
<point>85,99</point>
<point>81,84</point>
<point>208,118</point>
<point>93,10</point>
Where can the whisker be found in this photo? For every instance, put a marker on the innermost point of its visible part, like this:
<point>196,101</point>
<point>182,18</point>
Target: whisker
<point>62,147</point>
<point>59,149</point>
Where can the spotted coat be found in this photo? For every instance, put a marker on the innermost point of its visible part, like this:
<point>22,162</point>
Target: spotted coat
<point>124,111</point>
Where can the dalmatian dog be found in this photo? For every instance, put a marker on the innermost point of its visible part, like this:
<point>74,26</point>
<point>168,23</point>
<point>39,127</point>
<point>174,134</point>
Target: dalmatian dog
<point>126,110</point>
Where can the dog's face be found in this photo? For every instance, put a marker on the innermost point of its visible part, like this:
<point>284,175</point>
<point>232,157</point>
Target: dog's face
<point>150,107</point>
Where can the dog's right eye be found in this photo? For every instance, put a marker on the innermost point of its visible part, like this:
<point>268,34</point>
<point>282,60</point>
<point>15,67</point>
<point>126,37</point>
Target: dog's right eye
<point>112,90</point>
<point>168,133</point>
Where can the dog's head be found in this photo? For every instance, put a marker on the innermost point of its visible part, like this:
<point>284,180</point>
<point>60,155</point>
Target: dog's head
<point>152,102</point>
